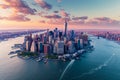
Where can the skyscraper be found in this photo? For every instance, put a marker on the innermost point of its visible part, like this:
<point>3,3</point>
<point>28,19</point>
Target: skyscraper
<point>30,40</point>
<point>65,29</point>
<point>60,47</point>
<point>72,35</point>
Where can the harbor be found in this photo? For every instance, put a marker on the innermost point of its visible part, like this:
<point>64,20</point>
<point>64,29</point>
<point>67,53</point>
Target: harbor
<point>90,65</point>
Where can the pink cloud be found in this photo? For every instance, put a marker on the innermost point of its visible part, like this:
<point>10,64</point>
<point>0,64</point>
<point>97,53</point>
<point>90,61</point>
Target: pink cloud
<point>16,17</point>
<point>103,19</point>
<point>63,13</point>
<point>43,4</point>
<point>19,6</point>
<point>42,21</point>
<point>54,16</point>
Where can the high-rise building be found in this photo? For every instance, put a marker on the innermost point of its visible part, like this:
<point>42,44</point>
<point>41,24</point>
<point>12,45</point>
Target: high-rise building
<point>55,47</point>
<point>30,40</point>
<point>55,33</point>
<point>85,39</point>
<point>45,39</point>
<point>72,35</point>
<point>40,47</point>
<point>65,29</point>
<point>60,47</point>
<point>51,48</point>
<point>26,46</point>
<point>50,39</point>
<point>81,43</point>
<point>46,49</point>
<point>65,48</point>
<point>71,47</point>
<point>60,35</point>
<point>33,47</point>
<point>78,44</point>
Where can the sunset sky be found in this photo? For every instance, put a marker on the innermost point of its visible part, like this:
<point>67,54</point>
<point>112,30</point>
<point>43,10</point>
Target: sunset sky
<point>42,14</point>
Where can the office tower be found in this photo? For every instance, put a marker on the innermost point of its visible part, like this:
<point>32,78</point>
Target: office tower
<point>45,39</point>
<point>85,39</point>
<point>53,41</point>
<point>60,47</point>
<point>40,47</point>
<point>26,46</point>
<point>65,48</point>
<point>50,33</point>
<point>30,40</point>
<point>60,35</point>
<point>55,33</point>
<point>33,47</point>
<point>36,42</point>
<point>46,49</point>
<point>65,40</point>
<point>51,48</point>
<point>81,35</point>
<point>50,39</point>
<point>78,44</point>
<point>40,37</point>
<point>81,43</point>
<point>55,48</point>
<point>65,29</point>
<point>47,32</point>
<point>72,35</point>
<point>71,47</point>
<point>24,43</point>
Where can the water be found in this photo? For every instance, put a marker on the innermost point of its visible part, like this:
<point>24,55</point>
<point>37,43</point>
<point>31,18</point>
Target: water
<point>101,64</point>
<point>67,67</point>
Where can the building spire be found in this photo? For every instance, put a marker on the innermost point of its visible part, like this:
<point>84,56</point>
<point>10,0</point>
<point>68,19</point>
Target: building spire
<point>65,28</point>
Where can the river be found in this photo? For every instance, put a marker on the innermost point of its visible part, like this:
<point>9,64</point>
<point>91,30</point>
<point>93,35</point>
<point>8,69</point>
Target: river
<point>101,64</point>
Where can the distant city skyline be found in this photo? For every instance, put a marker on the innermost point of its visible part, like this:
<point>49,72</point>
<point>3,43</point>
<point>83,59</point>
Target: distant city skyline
<point>42,14</point>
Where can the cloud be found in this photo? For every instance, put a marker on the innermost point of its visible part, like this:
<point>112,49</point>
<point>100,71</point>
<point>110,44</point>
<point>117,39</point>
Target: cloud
<point>56,11</point>
<point>80,18</point>
<point>42,13</point>
<point>76,18</point>
<point>43,4</point>
<point>16,17</point>
<point>54,16</point>
<point>42,21</point>
<point>19,6</point>
<point>84,17</point>
<point>1,17</point>
<point>103,19</point>
<point>77,22</point>
<point>59,21</point>
<point>92,22</point>
<point>63,13</point>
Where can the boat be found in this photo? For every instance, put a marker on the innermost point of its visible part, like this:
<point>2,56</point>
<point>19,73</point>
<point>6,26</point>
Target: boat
<point>40,59</point>
<point>46,60</point>
<point>12,52</point>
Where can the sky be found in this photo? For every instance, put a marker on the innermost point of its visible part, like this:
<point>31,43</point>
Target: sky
<point>43,14</point>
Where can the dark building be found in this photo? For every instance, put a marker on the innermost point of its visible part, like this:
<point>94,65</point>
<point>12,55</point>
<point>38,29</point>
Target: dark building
<point>65,29</point>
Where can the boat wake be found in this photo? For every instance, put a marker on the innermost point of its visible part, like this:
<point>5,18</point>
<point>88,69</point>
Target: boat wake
<point>67,67</point>
<point>96,69</point>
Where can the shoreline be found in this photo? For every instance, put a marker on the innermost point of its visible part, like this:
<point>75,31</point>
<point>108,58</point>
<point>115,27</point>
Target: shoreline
<point>65,57</point>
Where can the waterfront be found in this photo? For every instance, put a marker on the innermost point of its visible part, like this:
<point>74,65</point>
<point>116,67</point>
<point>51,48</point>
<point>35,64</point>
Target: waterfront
<point>101,64</point>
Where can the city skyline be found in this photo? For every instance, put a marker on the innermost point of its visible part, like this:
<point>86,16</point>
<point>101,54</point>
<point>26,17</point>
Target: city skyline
<point>42,14</point>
